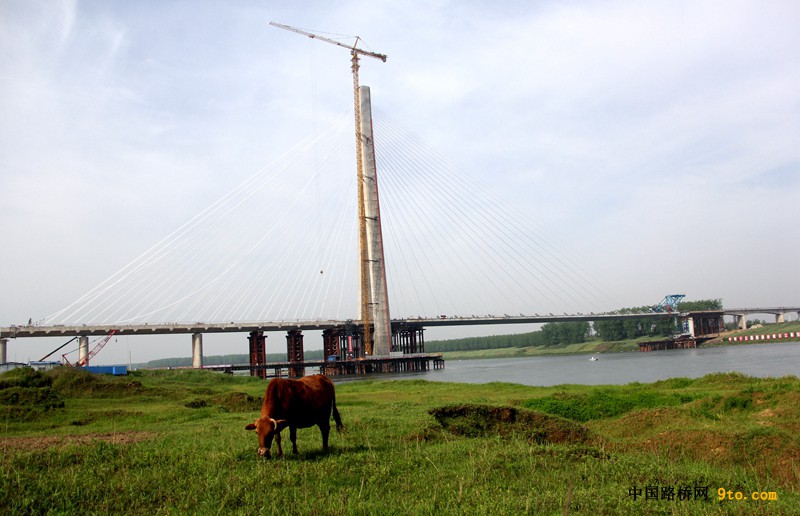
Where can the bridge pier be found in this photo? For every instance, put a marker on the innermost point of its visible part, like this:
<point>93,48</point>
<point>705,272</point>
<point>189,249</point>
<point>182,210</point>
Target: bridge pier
<point>408,339</point>
<point>331,343</point>
<point>779,318</point>
<point>197,350</point>
<point>83,348</point>
<point>741,321</point>
<point>690,326</point>
<point>294,352</point>
<point>3,351</point>
<point>258,352</point>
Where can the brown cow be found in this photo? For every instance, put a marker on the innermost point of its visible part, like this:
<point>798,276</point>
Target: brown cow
<point>297,404</point>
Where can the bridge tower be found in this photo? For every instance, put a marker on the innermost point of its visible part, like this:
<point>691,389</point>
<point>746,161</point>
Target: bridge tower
<point>374,298</point>
<point>377,304</point>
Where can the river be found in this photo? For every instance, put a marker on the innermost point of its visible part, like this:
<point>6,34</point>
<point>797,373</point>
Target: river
<point>760,360</point>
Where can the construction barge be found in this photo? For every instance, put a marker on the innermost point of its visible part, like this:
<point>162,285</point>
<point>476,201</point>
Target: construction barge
<point>417,362</point>
<point>343,352</point>
<point>683,342</point>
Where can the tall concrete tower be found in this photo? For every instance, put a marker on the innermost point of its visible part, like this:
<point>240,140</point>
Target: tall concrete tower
<point>377,302</point>
<point>374,301</point>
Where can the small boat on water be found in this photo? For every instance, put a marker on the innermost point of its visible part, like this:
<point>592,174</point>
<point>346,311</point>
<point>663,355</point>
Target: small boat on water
<point>593,359</point>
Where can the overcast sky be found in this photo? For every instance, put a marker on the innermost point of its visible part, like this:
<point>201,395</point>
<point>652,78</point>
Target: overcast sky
<point>662,137</point>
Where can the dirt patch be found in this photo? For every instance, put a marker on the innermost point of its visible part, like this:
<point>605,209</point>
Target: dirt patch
<point>486,421</point>
<point>765,417</point>
<point>60,441</point>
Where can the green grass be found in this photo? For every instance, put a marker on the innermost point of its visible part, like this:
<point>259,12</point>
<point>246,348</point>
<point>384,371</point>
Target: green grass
<point>174,442</point>
<point>604,402</point>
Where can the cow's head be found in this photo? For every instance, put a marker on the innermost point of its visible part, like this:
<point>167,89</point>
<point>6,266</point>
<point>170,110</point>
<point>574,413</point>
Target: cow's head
<point>265,428</point>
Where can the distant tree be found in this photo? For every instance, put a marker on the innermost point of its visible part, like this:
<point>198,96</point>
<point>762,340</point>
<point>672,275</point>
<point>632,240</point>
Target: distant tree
<point>700,305</point>
<point>491,342</point>
<point>610,330</point>
<point>562,333</point>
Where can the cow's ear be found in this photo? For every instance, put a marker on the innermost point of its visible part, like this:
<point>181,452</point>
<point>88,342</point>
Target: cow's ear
<point>251,426</point>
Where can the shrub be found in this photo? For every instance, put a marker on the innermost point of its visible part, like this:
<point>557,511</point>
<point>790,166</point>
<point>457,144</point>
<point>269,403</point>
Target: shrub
<point>24,377</point>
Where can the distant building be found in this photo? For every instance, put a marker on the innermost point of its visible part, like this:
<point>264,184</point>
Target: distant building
<point>8,366</point>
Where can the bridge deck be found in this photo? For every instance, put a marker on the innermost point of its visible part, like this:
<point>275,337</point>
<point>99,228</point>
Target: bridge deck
<point>10,332</point>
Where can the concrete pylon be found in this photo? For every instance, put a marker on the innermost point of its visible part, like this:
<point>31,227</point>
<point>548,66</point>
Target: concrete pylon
<point>3,351</point>
<point>741,321</point>
<point>378,302</point>
<point>197,350</point>
<point>83,348</point>
<point>780,318</point>
<point>690,325</point>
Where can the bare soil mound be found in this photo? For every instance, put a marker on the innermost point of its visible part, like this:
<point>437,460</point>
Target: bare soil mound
<point>485,420</point>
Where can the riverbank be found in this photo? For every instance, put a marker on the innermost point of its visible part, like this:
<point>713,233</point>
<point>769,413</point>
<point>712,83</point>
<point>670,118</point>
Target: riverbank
<point>769,329</point>
<point>598,346</point>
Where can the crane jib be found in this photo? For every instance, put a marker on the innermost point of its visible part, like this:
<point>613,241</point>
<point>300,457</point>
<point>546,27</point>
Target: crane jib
<point>353,48</point>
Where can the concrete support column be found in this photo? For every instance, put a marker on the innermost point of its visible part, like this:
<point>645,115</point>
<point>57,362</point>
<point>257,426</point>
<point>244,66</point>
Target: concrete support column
<point>690,325</point>
<point>779,318</point>
<point>197,350</point>
<point>378,302</point>
<point>3,351</point>
<point>741,321</point>
<point>83,349</point>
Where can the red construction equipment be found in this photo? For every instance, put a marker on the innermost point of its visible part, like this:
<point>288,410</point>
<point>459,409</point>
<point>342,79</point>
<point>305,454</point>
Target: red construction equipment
<point>85,360</point>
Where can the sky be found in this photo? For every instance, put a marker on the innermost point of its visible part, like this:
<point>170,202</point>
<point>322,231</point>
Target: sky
<point>658,141</point>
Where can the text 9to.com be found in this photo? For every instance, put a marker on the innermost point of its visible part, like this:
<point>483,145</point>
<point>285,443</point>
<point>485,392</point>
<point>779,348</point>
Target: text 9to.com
<point>727,494</point>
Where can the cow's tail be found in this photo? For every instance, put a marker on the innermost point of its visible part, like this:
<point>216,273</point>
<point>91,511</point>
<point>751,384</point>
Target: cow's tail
<point>337,417</point>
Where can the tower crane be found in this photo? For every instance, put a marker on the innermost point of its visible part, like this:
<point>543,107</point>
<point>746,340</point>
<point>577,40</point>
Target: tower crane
<point>353,49</point>
<point>355,52</point>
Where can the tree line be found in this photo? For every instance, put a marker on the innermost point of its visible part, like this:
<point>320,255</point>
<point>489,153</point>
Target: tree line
<point>550,335</point>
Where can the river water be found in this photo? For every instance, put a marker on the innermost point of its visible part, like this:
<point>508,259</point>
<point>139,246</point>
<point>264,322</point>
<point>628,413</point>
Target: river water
<point>760,360</point>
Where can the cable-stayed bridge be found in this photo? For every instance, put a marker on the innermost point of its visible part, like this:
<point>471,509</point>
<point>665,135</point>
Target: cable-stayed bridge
<point>278,253</point>
<point>280,249</point>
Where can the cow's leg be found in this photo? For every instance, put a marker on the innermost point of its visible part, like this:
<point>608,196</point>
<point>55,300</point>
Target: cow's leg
<point>293,437</point>
<point>278,444</point>
<point>325,428</point>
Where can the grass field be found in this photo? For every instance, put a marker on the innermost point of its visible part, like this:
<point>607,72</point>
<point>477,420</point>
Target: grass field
<point>174,442</point>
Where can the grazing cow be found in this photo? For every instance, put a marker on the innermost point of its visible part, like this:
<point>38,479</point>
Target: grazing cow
<point>297,404</point>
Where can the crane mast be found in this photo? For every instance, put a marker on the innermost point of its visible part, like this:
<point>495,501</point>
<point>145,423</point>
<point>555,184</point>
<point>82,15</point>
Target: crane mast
<point>366,277</point>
